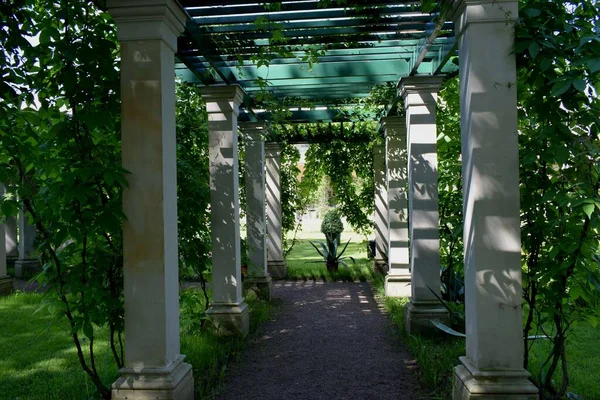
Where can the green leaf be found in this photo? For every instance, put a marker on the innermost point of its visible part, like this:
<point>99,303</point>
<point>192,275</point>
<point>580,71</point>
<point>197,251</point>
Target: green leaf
<point>560,87</point>
<point>534,49</point>
<point>580,85</point>
<point>594,64</point>
<point>589,209</point>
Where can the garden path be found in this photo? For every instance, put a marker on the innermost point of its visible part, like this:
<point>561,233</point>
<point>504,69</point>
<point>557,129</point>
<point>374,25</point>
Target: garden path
<point>327,341</point>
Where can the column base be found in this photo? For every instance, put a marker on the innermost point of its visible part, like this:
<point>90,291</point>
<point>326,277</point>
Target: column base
<point>397,286</point>
<point>417,316</point>
<point>25,269</point>
<point>6,285</point>
<point>262,284</point>
<point>174,382</point>
<point>277,269</point>
<point>471,383</point>
<point>380,266</point>
<point>230,319</point>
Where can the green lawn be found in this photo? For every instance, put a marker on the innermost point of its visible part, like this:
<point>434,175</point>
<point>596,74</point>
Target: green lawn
<point>38,359</point>
<point>304,263</point>
<point>438,355</point>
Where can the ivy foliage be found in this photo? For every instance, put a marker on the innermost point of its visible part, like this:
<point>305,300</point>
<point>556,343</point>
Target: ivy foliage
<point>559,123</point>
<point>60,160</point>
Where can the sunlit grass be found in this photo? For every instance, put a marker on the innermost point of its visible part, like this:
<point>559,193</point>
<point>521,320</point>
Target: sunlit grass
<point>437,356</point>
<point>304,263</point>
<point>38,359</point>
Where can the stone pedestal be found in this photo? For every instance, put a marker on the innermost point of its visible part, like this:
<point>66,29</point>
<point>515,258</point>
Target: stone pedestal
<point>397,282</point>
<point>27,269</point>
<point>258,276</point>
<point>173,382</point>
<point>381,210</point>
<point>418,317</point>
<point>228,309</point>
<point>420,97</point>
<point>27,265</point>
<point>276,264</point>
<point>473,384</point>
<point>493,366</point>
<point>154,368</point>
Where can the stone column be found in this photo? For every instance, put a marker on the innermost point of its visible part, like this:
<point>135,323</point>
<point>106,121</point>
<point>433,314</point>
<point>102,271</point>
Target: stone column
<point>228,310</point>
<point>12,243</point>
<point>256,217</point>
<point>397,282</point>
<point>420,96</point>
<point>27,265</point>
<point>154,367</point>
<point>6,282</point>
<point>276,263</point>
<point>381,209</point>
<point>493,366</point>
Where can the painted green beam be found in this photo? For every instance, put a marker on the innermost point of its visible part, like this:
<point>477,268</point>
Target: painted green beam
<point>379,22</point>
<point>395,29</point>
<point>203,8</point>
<point>314,13</point>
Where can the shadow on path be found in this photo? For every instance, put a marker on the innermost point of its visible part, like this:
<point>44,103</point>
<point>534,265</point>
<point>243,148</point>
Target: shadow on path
<point>329,341</point>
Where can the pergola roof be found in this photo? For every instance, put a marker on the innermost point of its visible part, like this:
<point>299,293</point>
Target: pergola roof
<point>359,47</point>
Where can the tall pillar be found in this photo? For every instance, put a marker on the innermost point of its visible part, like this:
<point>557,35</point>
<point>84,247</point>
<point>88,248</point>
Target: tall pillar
<point>27,265</point>
<point>276,264</point>
<point>6,282</point>
<point>493,365</point>
<point>420,96</point>
<point>256,217</point>
<point>381,209</point>
<point>12,243</point>
<point>228,310</point>
<point>397,282</point>
<point>154,367</point>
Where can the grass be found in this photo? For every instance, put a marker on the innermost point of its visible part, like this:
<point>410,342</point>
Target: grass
<point>38,359</point>
<point>437,356</point>
<point>304,263</point>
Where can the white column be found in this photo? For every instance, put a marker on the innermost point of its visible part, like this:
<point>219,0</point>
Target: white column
<point>276,263</point>
<point>397,282</point>
<point>256,218</point>
<point>154,367</point>
<point>12,248</point>
<point>493,366</point>
<point>228,310</point>
<point>420,96</point>
<point>27,265</point>
<point>381,209</point>
<point>6,283</point>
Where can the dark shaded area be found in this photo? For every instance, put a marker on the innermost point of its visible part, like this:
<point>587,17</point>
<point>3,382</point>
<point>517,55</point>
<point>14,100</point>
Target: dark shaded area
<point>329,341</point>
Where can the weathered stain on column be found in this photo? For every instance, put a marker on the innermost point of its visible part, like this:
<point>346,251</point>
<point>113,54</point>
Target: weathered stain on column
<point>256,218</point>
<point>228,310</point>
<point>276,263</point>
<point>381,207</point>
<point>398,278</point>
<point>493,366</point>
<point>420,95</point>
<point>154,366</point>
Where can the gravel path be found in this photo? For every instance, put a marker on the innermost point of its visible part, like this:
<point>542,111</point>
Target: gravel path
<point>328,341</point>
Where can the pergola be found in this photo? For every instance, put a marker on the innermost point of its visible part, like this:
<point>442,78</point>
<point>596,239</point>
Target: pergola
<point>212,43</point>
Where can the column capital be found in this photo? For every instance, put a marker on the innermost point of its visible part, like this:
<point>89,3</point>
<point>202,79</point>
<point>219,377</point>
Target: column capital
<point>272,150</point>
<point>254,131</point>
<point>139,20</point>
<point>421,85</point>
<point>466,12</point>
<point>394,126</point>
<point>216,97</point>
